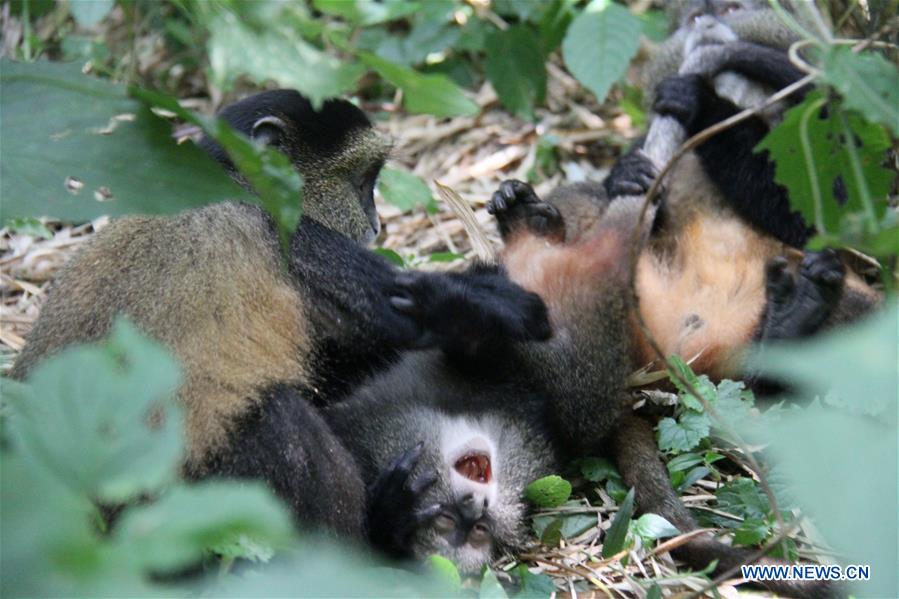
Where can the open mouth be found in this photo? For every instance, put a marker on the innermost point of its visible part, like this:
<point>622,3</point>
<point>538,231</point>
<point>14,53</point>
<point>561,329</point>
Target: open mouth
<point>475,467</point>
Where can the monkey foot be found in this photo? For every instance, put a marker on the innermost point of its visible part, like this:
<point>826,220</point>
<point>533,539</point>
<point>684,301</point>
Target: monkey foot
<point>798,304</point>
<point>515,204</point>
<point>632,175</point>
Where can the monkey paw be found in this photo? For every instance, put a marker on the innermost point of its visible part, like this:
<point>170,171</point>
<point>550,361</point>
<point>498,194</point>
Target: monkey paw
<point>632,175</point>
<point>472,312</point>
<point>798,304</point>
<point>682,97</point>
<point>515,204</point>
<point>393,513</point>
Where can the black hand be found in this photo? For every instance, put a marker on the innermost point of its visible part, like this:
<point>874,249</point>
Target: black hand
<point>797,305</point>
<point>393,516</point>
<point>467,313</point>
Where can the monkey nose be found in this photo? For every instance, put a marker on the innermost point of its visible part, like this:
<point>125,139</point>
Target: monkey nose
<point>471,508</point>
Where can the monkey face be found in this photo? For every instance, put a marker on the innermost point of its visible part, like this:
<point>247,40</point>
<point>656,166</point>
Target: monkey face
<point>477,503</point>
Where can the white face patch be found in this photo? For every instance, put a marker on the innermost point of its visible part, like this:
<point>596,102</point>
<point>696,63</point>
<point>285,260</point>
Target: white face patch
<point>707,30</point>
<point>468,450</point>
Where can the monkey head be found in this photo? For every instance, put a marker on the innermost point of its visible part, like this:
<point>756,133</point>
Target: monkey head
<point>334,148</point>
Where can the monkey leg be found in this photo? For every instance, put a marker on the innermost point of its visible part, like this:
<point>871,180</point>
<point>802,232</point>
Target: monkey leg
<point>286,443</point>
<point>638,461</point>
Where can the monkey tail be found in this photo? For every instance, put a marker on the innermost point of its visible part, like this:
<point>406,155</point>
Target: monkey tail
<point>638,461</point>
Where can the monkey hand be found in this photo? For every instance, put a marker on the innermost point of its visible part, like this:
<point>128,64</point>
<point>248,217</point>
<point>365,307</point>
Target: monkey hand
<point>393,511</point>
<point>470,313</point>
<point>516,205</point>
<point>632,175</point>
<point>797,305</point>
<point>684,98</point>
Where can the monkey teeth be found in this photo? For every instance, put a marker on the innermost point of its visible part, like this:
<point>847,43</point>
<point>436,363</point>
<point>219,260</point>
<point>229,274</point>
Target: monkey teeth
<point>475,467</point>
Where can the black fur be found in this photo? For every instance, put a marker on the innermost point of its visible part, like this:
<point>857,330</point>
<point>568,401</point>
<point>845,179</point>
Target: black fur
<point>745,178</point>
<point>515,205</point>
<point>325,130</point>
<point>286,443</point>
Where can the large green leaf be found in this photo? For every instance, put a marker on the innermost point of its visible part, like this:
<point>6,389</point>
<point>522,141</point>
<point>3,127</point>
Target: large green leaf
<point>823,167</point>
<point>868,82</point>
<point>275,55</point>
<point>549,491</point>
<point>840,456</point>
<point>616,535</point>
<point>516,68</point>
<point>176,530</point>
<point>101,418</point>
<point>599,45</point>
<point>65,155</point>
<point>428,94</point>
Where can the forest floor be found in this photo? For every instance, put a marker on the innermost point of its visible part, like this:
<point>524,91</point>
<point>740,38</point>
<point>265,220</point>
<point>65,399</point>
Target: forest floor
<point>471,156</point>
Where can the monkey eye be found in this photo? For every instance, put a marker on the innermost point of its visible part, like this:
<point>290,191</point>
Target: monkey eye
<point>445,522</point>
<point>694,16</point>
<point>479,535</point>
<point>730,7</point>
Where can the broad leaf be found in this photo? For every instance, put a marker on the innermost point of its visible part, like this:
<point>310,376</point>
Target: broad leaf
<point>428,94</point>
<point>101,418</point>
<point>93,151</point>
<point>365,12</point>
<point>534,586</point>
<point>272,55</point>
<point>549,491</point>
<point>405,190</point>
<point>868,82</point>
<point>176,530</point>
<point>445,570</point>
<point>516,68</point>
<point>825,170</point>
<point>600,44</point>
<point>683,434</point>
<point>490,587</point>
<point>652,527</point>
<point>597,469</point>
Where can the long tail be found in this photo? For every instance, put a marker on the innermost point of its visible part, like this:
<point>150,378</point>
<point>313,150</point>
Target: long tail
<point>638,461</point>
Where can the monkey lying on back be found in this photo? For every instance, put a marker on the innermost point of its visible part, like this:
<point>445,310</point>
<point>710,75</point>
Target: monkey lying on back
<point>447,448</point>
<point>715,274</point>
<point>260,346</point>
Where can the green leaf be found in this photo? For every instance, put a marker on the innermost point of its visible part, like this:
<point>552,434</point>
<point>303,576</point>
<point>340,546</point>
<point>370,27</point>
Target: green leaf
<point>751,531</point>
<point>445,570</point>
<point>405,190</point>
<point>428,94</point>
<point>490,587</point>
<point>825,171</point>
<point>61,165</point>
<point>548,529</point>
<point>616,535</point>
<point>365,12</point>
<point>683,462</point>
<point>445,257</point>
<point>549,491</point>
<point>842,363</point>
<point>30,226</point>
<point>554,23</point>
<point>534,586</point>
<point>516,68</point>
<point>272,55</point>
<point>600,44</point>
<point>176,530</point>
<point>744,498</point>
<point>868,82</point>
<point>392,256</point>
<point>101,418</point>
<point>268,171</point>
<point>244,547</point>
<point>692,476</point>
<point>597,469</point>
<point>89,13</point>
<point>652,527</point>
<point>683,434</point>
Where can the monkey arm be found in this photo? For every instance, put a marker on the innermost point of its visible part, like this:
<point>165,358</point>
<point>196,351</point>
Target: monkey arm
<point>745,178</point>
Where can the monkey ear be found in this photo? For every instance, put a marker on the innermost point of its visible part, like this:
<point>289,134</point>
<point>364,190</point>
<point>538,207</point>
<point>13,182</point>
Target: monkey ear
<point>268,130</point>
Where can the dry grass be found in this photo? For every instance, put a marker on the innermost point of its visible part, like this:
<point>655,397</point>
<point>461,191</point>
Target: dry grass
<point>472,156</point>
